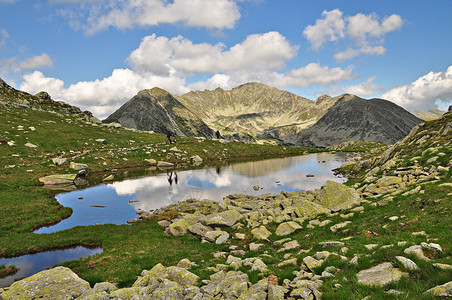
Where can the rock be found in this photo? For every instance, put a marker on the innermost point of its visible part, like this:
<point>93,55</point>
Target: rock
<point>184,263</point>
<point>239,236</point>
<point>174,149</point>
<point>324,223</point>
<point>179,227</point>
<point>337,226</point>
<point>407,263</point>
<point>78,166</point>
<point>199,229</point>
<point>230,285</point>
<point>443,266</point>
<point>59,161</point>
<point>196,159</point>
<point>292,261</point>
<point>432,246</point>
<point>164,164</point>
<point>332,244</point>
<point>151,161</point>
<point>164,223</point>
<point>336,196</point>
<point>261,233</point>
<point>276,292</point>
<point>110,177</point>
<point>56,283</point>
<point>31,145</point>
<point>157,271</point>
<point>256,187</point>
<point>182,276</point>
<point>255,247</point>
<point>416,250</point>
<point>222,238</point>
<point>289,246</point>
<point>380,275</point>
<point>305,209</point>
<point>126,293</point>
<point>58,179</point>
<point>102,141</point>
<point>167,290</point>
<point>224,218</point>
<point>394,218</point>
<point>371,246</point>
<point>311,262</point>
<point>444,290</point>
<point>213,235</point>
<point>287,228</point>
<point>259,266</point>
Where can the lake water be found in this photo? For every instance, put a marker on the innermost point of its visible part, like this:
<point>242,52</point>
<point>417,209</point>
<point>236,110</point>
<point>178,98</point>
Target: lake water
<point>119,201</point>
<point>34,263</point>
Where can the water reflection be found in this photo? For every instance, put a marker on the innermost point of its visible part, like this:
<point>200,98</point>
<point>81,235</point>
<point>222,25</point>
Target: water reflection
<point>34,263</point>
<point>118,202</point>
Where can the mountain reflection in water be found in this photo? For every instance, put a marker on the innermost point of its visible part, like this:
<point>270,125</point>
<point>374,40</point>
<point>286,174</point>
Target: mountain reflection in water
<point>122,199</point>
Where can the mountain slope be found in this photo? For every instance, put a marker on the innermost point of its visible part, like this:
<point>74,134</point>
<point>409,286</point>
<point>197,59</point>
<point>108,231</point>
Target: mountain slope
<point>355,119</point>
<point>159,111</point>
<point>255,110</point>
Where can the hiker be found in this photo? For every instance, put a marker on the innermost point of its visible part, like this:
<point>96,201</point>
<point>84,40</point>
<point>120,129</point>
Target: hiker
<point>217,134</point>
<point>168,136</point>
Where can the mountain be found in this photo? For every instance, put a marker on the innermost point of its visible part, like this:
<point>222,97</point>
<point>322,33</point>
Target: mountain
<point>255,110</point>
<point>157,110</point>
<point>428,115</point>
<point>355,119</point>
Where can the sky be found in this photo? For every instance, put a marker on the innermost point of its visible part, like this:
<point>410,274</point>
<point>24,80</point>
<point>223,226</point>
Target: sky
<point>97,54</point>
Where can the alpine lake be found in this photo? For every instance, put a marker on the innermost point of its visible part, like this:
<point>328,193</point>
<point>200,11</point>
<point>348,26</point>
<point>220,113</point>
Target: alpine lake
<point>149,189</point>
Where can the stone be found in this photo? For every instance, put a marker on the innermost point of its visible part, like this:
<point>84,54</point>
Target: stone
<point>371,246</point>
<point>30,145</point>
<point>235,262</point>
<point>239,236</point>
<point>256,187</point>
<point>126,293</point>
<point>292,261</point>
<point>305,209</point>
<point>102,141</point>
<point>324,223</point>
<point>196,159</point>
<point>287,228</point>
<point>289,246</point>
<point>77,166</point>
<point>110,177</point>
<point>58,179</point>
<point>442,266</point>
<point>164,223</point>
<point>213,235</point>
<point>167,290</point>
<point>151,161</point>
<point>255,247</point>
<point>184,263</point>
<point>432,246</point>
<point>178,228</point>
<point>416,250</point>
<point>164,164</point>
<point>311,262</point>
<point>222,238</point>
<point>276,292</point>
<point>336,196</point>
<point>332,244</point>
<point>337,226</point>
<point>230,285</point>
<point>444,290</point>
<point>261,233</point>
<point>158,271</point>
<point>199,229</point>
<point>182,276</point>
<point>174,149</point>
<point>407,263</point>
<point>224,218</point>
<point>59,161</point>
<point>380,275</point>
<point>394,218</point>
<point>259,266</point>
<point>56,283</point>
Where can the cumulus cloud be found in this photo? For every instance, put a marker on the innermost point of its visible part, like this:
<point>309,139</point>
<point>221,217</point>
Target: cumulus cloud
<point>365,32</point>
<point>433,90</point>
<point>36,62</point>
<point>161,55</point>
<point>364,89</point>
<point>95,16</point>
<point>169,62</point>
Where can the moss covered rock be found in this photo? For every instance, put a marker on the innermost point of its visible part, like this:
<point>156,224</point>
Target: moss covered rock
<point>336,196</point>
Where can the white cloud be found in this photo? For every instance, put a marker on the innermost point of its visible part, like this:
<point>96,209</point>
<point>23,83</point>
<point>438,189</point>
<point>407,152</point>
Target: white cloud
<point>101,97</point>
<point>327,29</point>
<point>161,55</point>
<point>3,37</point>
<point>36,62</point>
<point>364,89</point>
<point>99,15</point>
<point>433,90</point>
<point>365,32</point>
<point>7,1</point>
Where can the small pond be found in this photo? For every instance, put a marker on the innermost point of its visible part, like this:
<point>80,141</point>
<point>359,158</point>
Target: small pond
<point>34,263</point>
<point>119,201</point>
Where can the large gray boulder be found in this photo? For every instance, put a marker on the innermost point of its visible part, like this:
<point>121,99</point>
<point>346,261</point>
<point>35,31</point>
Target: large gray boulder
<point>336,196</point>
<point>56,283</point>
<point>57,179</point>
<point>380,275</point>
<point>224,218</point>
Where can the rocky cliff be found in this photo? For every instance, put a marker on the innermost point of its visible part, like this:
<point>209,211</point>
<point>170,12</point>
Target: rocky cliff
<point>355,119</point>
<point>159,111</point>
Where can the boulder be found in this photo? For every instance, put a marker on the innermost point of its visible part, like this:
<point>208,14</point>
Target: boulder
<point>287,228</point>
<point>305,209</point>
<point>182,276</point>
<point>214,234</point>
<point>289,246</point>
<point>337,226</point>
<point>196,159</point>
<point>78,166</point>
<point>380,275</point>
<point>261,233</point>
<point>179,227</point>
<point>164,164</point>
<point>311,262</point>
<point>224,218</point>
<point>59,161</point>
<point>199,229</point>
<point>276,292</point>
<point>416,250</point>
<point>168,290</point>
<point>407,263</point>
<point>230,285</point>
<point>56,283</point>
<point>58,179</point>
<point>151,161</point>
<point>110,177</point>
<point>336,196</point>
<point>30,145</point>
<point>444,290</point>
<point>125,294</point>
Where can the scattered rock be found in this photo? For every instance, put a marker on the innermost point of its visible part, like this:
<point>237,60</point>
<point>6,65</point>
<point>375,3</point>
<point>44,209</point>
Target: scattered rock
<point>59,161</point>
<point>407,263</point>
<point>444,290</point>
<point>256,187</point>
<point>78,166</point>
<point>337,226</point>
<point>58,179</point>
<point>164,164</point>
<point>380,275</point>
<point>336,196</point>
<point>110,177</point>
<point>287,228</point>
<point>31,145</point>
<point>261,233</point>
<point>416,250</point>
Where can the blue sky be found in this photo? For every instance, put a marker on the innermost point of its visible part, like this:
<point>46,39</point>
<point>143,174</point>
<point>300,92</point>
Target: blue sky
<point>97,54</point>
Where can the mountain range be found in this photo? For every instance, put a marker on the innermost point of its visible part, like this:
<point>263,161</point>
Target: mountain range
<point>255,111</point>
